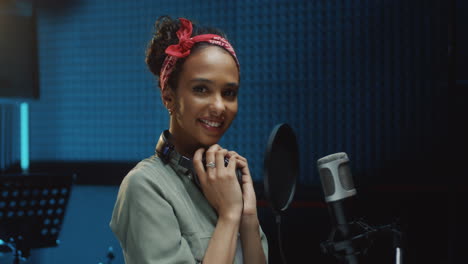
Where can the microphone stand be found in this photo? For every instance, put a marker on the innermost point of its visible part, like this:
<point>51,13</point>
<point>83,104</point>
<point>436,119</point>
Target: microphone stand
<point>351,250</point>
<point>397,244</point>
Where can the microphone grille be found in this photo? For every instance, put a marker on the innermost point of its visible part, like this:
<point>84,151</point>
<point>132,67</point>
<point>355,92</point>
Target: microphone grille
<point>327,181</point>
<point>335,174</point>
<point>346,180</point>
<point>332,157</point>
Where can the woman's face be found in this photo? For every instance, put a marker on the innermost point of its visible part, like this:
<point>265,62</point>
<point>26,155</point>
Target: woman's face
<point>205,102</point>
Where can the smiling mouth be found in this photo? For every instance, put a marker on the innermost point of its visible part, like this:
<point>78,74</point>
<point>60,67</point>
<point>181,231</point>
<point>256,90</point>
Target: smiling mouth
<point>211,123</point>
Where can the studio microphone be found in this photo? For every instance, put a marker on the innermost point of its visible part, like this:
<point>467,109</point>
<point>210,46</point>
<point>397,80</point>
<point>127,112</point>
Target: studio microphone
<point>339,191</point>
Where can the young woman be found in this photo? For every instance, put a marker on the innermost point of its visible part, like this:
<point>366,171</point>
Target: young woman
<point>186,204</point>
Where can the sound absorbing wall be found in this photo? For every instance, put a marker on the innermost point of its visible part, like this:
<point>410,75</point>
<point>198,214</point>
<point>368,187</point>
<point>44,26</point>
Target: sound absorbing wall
<point>364,77</point>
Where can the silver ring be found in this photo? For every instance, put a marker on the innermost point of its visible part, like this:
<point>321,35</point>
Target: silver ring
<point>211,165</point>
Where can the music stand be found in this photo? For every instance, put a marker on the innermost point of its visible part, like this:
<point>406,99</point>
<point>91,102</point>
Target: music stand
<point>32,208</point>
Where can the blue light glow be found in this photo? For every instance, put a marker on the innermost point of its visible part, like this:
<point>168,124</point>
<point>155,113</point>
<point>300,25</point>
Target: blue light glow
<point>24,115</point>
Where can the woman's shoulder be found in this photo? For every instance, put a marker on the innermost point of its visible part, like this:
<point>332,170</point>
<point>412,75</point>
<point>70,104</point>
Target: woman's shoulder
<point>150,172</point>
<point>148,166</point>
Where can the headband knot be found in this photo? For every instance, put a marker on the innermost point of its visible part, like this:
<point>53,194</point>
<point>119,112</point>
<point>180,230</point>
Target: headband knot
<point>184,47</point>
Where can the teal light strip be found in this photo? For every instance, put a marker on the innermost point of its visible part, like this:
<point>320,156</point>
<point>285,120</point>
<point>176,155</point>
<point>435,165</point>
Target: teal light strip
<point>24,128</point>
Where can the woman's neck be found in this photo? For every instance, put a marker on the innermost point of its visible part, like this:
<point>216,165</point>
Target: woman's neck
<point>181,145</point>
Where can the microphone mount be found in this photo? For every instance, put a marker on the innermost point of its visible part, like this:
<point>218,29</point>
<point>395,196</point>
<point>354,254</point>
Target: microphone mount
<point>348,250</point>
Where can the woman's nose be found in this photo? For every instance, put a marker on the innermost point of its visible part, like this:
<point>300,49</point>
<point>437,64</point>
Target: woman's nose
<point>217,106</point>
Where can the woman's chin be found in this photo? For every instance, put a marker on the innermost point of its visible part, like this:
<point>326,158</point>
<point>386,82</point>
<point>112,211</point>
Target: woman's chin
<point>207,142</point>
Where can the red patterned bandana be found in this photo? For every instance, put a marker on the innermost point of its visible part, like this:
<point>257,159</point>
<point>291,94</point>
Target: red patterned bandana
<point>183,48</point>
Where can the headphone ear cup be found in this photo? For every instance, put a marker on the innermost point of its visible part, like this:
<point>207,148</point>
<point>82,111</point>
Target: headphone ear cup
<point>164,147</point>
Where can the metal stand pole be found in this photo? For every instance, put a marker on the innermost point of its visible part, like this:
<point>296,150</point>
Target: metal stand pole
<point>398,256</point>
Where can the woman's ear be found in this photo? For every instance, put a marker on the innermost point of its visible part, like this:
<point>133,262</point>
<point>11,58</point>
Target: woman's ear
<point>168,98</point>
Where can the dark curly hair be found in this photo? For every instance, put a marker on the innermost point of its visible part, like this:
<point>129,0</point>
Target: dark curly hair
<point>164,36</point>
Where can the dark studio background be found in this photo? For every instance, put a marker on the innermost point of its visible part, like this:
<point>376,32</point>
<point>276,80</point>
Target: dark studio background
<point>374,79</point>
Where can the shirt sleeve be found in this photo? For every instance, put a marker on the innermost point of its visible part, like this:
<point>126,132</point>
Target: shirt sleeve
<point>145,224</point>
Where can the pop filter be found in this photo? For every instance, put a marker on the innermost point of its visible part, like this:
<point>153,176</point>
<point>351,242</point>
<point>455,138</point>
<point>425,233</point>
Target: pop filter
<point>281,167</point>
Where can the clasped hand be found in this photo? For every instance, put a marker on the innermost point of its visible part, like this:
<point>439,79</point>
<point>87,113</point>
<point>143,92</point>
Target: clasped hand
<point>220,185</point>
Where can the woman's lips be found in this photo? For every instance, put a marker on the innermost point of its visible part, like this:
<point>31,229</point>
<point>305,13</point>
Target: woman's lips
<point>211,125</point>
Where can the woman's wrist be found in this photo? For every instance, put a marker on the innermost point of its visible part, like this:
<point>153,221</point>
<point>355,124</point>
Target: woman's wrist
<point>249,221</point>
<point>232,217</point>
<point>251,240</point>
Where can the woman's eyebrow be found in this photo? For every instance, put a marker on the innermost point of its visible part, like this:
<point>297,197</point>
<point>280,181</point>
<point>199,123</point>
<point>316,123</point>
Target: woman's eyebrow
<point>201,80</point>
<point>233,84</point>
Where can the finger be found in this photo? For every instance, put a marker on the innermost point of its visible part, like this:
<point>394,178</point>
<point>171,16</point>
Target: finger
<point>198,164</point>
<point>220,154</point>
<point>230,156</point>
<point>243,165</point>
<point>232,163</point>
<point>210,157</point>
<point>231,167</point>
<point>233,153</point>
<point>238,157</point>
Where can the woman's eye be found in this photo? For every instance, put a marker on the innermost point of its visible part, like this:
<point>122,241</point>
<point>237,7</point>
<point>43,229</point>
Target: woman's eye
<point>199,89</point>
<point>230,93</point>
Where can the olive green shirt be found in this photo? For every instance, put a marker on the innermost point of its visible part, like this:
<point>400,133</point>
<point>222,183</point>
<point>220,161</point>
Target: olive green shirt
<point>161,216</point>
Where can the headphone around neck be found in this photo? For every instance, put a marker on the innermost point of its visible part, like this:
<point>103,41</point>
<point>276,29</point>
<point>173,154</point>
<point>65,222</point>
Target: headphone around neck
<point>165,151</point>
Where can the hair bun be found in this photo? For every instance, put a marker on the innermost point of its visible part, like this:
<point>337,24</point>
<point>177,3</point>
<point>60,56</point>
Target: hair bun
<point>164,36</point>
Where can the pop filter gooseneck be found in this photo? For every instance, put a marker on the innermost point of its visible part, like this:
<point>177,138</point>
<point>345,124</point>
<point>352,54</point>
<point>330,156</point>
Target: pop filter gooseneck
<point>281,168</point>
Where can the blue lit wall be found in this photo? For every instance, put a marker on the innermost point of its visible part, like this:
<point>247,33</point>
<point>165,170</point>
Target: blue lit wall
<point>354,76</point>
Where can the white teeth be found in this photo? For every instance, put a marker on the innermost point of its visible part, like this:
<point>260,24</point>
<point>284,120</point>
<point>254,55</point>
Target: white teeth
<point>210,123</point>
